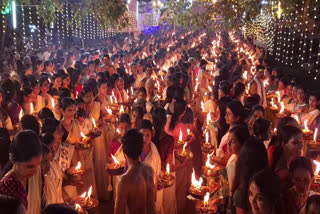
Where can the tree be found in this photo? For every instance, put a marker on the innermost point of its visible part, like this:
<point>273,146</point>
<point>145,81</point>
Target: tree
<point>108,13</point>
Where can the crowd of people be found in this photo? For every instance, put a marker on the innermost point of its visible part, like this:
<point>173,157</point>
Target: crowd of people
<point>143,96</point>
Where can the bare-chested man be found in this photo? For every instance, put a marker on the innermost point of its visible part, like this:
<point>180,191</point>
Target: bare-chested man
<point>136,191</point>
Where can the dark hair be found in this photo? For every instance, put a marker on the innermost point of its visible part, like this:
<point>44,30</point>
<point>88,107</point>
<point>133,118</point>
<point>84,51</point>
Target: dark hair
<point>124,118</point>
<point>261,127</point>
<point>239,88</point>
<point>188,117</point>
<point>47,139</point>
<point>50,125</point>
<point>142,89</point>
<point>138,109</point>
<point>236,108</point>
<point>146,124</point>
<point>26,92</point>
<point>81,112</point>
<point>257,108</point>
<point>269,185</point>
<point>66,102</point>
<point>159,118</point>
<point>252,158</point>
<point>251,101</point>
<point>4,147</point>
<point>30,122</point>
<point>45,113</point>
<point>241,133</point>
<point>301,163</point>
<point>43,80</point>
<point>23,150</point>
<point>59,208</point>
<point>101,82</point>
<point>314,199</point>
<point>132,143</point>
<point>179,108</point>
<point>9,205</point>
<point>169,94</point>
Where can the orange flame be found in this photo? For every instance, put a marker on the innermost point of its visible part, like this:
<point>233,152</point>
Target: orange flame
<point>89,193</point>
<point>31,108</point>
<point>94,122</point>
<point>180,136</point>
<point>188,131</point>
<point>208,164</point>
<point>184,149</point>
<point>282,107</point>
<point>207,138</point>
<point>78,167</point>
<point>84,195</point>
<point>83,136</point>
<point>196,183</point>
<point>115,160</point>
<point>20,114</point>
<point>168,169</point>
<point>296,118</point>
<point>77,207</point>
<point>206,199</point>
<point>121,109</point>
<point>245,75</point>
<point>108,110</point>
<point>317,163</point>
<point>306,129</point>
<point>53,103</point>
<point>315,135</point>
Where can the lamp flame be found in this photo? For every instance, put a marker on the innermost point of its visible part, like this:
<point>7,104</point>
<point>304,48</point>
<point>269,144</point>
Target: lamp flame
<point>208,164</point>
<point>278,95</point>
<point>121,109</point>
<point>202,106</point>
<point>317,163</point>
<point>78,167</point>
<point>52,103</point>
<point>282,107</point>
<point>184,149</point>
<point>115,160</point>
<point>94,122</point>
<point>209,120</point>
<point>20,114</point>
<point>306,129</point>
<point>168,169</point>
<point>296,118</point>
<point>315,135</point>
<point>180,136</point>
<point>77,207</point>
<point>206,199</point>
<point>109,110</point>
<point>82,135</point>
<point>31,108</point>
<point>196,183</point>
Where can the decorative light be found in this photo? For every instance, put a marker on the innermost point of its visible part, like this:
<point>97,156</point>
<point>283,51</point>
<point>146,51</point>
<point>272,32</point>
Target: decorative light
<point>14,14</point>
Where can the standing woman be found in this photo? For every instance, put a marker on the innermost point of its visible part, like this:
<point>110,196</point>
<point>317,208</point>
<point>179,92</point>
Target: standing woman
<point>26,101</point>
<point>26,157</point>
<point>92,109</point>
<point>9,102</point>
<point>5,120</point>
<point>44,99</point>
<point>234,116</point>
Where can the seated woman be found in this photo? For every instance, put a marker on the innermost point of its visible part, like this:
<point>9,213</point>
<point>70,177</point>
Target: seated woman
<point>25,157</point>
<point>26,101</point>
<point>10,100</point>
<point>252,158</point>
<point>290,147</point>
<point>265,193</point>
<point>312,111</point>
<point>302,174</point>
<point>136,116</point>
<point>237,137</point>
<point>44,99</point>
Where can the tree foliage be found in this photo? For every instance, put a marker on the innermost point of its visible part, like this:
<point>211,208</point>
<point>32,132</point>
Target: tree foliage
<point>108,13</point>
<point>233,14</point>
